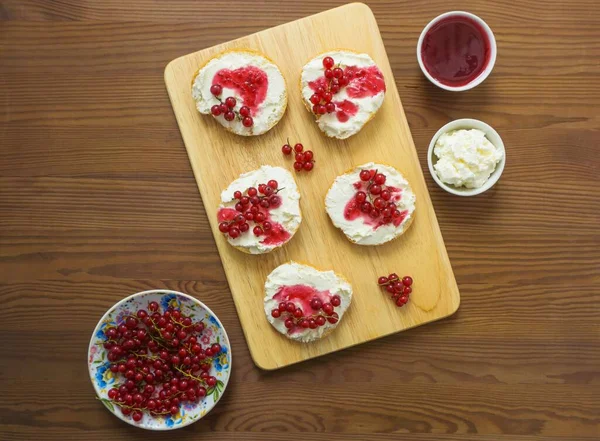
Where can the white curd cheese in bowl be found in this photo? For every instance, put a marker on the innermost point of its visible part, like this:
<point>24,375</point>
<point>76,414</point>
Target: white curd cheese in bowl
<point>466,158</point>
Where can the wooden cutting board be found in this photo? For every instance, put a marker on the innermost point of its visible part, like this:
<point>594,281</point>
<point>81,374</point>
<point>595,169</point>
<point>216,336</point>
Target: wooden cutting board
<point>218,157</point>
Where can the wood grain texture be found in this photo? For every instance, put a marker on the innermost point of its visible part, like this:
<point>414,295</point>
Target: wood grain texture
<point>420,252</point>
<point>98,201</point>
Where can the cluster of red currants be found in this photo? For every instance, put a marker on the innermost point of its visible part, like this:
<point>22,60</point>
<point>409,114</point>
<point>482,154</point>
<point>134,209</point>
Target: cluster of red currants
<point>304,160</point>
<point>159,361</point>
<point>226,107</point>
<point>249,206</point>
<point>294,316</point>
<point>399,289</point>
<point>376,200</point>
<point>335,78</point>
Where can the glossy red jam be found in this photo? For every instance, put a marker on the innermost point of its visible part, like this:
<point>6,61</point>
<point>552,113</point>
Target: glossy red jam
<point>456,50</point>
<point>250,83</point>
<point>353,212</point>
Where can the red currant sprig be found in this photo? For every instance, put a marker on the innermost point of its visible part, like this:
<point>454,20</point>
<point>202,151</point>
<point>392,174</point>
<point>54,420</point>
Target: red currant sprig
<point>399,289</point>
<point>251,206</point>
<point>376,200</point>
<point>294,316</point>
<point>335,79</point>
<point>226,108</point>
<point>304,160</point>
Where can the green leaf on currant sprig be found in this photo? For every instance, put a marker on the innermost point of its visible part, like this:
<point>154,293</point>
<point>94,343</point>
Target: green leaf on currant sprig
<point>108,404</point>
<point>97,361</point>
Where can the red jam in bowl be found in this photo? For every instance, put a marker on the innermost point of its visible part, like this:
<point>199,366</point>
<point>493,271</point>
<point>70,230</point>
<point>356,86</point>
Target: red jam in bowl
<point>456,50</point>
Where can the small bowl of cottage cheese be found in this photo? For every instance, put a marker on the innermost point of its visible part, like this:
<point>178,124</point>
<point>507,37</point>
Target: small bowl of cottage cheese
<point>466,157</point>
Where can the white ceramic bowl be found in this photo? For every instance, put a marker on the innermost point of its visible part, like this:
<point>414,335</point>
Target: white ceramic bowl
<point>483,75</point>
<point>103,379</point>
<point>490,134</point>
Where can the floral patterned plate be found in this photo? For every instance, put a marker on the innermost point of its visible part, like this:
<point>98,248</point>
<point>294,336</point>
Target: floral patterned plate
<point>103,379</point>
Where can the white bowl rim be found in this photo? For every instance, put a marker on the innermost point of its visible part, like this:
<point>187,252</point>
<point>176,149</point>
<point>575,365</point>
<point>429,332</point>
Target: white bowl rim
<point>165,291</point>
<point>467,123</point>
<point>483,75</point>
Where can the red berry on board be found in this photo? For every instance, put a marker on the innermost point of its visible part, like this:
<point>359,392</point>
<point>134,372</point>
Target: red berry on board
<point>375,189</point>
<point>308,155</point>
<point>365,175</point>
<point>308,166</point>
<point>286,149</point>
<point>298,166</point>
<point>334,318</point>
<point>298,148</point>
<point>393,276</point>
<point>273,184</point>
<point>262,187</point>
<point>215,110</point>
<point>406,290</point>
<point>382,280</point>
<point>407,280</point>
<point>320,320</point>
<point>216,89</point>
<point>248,121</point>
<point>299,157</point>
<point>237,194</point>
<point>229,116</point>
<point>336,300</point>
<point>316,304</point>
<point>245,111</point>
<point>360,197</point>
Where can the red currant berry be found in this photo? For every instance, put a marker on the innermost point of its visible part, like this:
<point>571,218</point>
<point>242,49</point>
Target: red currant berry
<point>321,109</point>
<point>393,276</point>
<point>304,323</point>
<point>267,226</point>
<point>374,213</point>
<point>265,202</point>
<point>215,110</point>
<point>327,96</point>
<point>360,197</point>
<point>289,323</point>
<point>245,111</point>
<point>298,166</point>
<point>315,107</point>
<point>268,191</point>
<point>379,179</point>
<point>259,218</point>
<point>249,215</point>
<point>386,195</point>
<point>366,207</point>
<point>244,227</point>
<point>237,194</point>
<point>223,107</point>
<point>379,203</point>
<point>315,99</point>
<point>327,308</point>
<point>275,201</point>
<point>396,214</point>
<point>229,116</point>
<point>252,191</point>
<point>316,304</point>
<point>407,280</point>
<point>328,73</point>
<point>335,88</point>
<point>262,187</point>
<point>320,320</point>
<point>223,227</point>
<point>312,323</point>
<point>298,148</point>
<point>390,288</point>
<point>308,155</point>
<point>334,318</point>
<point>328,62</point>
<point>330,107</point>
<point>298,313</point>
<point>216,89</point>
<point>308,166</point>
<point>299,157</point>
<point>248,121</point>
<point>136,416</point>
<point>382,280</point>
<point>320,91</point>
<point>273,184</point>
<point>290,307</point>
<point>375,189</point>
<point>338,73</point>
<point>234,232</point>
<point>336,300</point>
<point>344,81</point>
<point>230,102</point>
<point>286,149</point>
<point>365,175</point>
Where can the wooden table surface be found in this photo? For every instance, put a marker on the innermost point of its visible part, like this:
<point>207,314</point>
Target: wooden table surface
<point>98,201</point>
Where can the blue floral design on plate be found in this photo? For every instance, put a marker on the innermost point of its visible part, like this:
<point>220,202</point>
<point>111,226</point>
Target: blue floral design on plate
<point>222,361</point>
<point>103,379</point>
